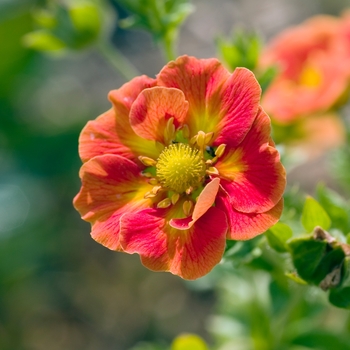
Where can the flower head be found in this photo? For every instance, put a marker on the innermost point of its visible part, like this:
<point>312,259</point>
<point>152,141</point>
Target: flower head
<point>313,69</point>
<point>178,165</point>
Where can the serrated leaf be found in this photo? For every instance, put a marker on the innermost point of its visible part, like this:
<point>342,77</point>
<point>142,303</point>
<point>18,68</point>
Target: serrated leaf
<point>189,342</point>
<point>278,235</point>
<point>314,215</point>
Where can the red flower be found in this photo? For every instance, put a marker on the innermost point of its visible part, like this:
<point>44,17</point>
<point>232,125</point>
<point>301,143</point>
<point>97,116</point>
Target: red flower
<point>180,164</point>
<point>313,69</point>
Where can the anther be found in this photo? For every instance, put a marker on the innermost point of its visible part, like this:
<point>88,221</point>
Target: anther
<point>189,190</point>
<point>193,139</point>
<point>201,140</point>
<point>185,131</point>
<point>156,189</point>
<point>165,203</point>
<point>169,132</point>
<point>149,195</point>
<point>174,198</point>
<point>149,175</point>
<point>220,150</point>
<point>147,161</point>
<point>208,137</point>
<point>153,181</point>
<point>187,208</point>
<point>212,171</point>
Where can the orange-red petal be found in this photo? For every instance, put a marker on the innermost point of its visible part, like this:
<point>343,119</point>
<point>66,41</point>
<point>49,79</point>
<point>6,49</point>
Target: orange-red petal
<point>201,81</point>
<point>252,173</point>
<point>111,132</point>
<point>244,226</point>
<point>153,108</point>
<point>219,102</point>
<point>205,200</point>
<point>188,253</point>
<point>111,185</point>
<point>239,104</point>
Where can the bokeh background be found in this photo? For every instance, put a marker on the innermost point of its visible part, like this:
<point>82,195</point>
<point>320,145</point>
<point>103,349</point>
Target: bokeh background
<point>58,288</point>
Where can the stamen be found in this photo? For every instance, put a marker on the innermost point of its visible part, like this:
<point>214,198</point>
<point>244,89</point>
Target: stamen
<point>212,171</point>
<point>220,150</point>
<point>156,189</point>
<point>147,161</point>
<point>165,203</point>
<point>146,174</point>
<point>208,137</point>
<point>189,190</point>
<point>187,208</point>
<point>149,195</point>
<point>174,198</point>
<point>153,181</point>
<point>201,140</point>
<point>169,132</point>
<point>185,131</point>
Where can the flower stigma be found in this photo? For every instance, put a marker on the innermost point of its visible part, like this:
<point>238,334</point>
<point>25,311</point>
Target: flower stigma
<point>180,167</point>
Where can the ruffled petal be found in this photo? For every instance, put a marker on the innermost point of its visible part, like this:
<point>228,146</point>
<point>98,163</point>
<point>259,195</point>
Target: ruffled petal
<point>244,226</point>
<point>204,202</point>
<point>219,102</point>
<point>201,82</point>
<point>190,254</point>
<point>111,132</point>
<point>153,108</point>
<point>111,185</point>
<point>239,105</point>
<point>252,173</point>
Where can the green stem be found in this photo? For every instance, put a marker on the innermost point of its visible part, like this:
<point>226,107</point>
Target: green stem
<point>117,60</point>
<point>167,44</point>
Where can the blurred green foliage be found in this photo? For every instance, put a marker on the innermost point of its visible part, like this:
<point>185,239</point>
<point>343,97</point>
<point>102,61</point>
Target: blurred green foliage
<point>65,25</point>
<point>243,49</point>
<point>162,18</point>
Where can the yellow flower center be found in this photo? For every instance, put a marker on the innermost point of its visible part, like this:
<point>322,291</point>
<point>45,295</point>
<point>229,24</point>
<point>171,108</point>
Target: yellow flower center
<point>180,167</point>
<point>310,77</point>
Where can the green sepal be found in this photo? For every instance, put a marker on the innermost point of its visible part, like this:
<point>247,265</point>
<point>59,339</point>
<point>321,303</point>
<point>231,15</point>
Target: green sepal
<point>314,259</point>
<point>278,235</point>
<point>314,215</point>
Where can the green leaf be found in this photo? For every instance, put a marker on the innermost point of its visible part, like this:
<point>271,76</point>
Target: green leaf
<point>86,20</point>
<point>266,77</point>
<point>314,215</point>
<point>335,206</point>
<point>241,50</point>
<point>278,235</point>
<point>314,259</point>
<point>307,254</point>
<point>189,342</point>
<point>42,40</point>
<point>340,296</point>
